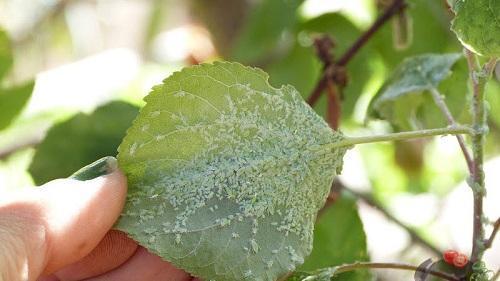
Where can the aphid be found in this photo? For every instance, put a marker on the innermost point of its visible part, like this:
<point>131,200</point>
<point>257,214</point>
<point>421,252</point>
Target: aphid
<point>255,246</point>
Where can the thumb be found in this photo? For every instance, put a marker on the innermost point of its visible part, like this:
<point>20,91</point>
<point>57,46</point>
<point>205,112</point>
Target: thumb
<point>47,228</point>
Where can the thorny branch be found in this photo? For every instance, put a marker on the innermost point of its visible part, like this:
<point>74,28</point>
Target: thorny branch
<point>332,71</point>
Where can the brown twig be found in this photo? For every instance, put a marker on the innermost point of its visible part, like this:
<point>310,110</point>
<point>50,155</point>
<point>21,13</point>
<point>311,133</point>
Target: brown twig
<point>441,104</point>
<point>324,46</point>
<point>368,200</point>
<point>488,242</point>
<point>333,112</point>
<point>377,265</point>
<point>396,7</point>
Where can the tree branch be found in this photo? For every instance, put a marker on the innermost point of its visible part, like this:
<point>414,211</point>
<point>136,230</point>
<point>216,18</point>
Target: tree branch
<point>441,104</point>
<point>7,151</point>
<point>324,45</point>
<point>478,78</point>
<point>368,199</point>
<point>396,7</point>
<point>489,242</point>
<point>332,271</point>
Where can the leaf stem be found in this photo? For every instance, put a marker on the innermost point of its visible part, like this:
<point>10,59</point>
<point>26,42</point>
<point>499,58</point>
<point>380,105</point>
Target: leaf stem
<point>441,104</point>
<point>451,130</point>
<point>479,78</point>
<point>332,271</point>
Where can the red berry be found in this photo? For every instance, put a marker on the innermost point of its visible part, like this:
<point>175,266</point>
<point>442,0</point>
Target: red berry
<point>449,256</point>
<point>460,260</point>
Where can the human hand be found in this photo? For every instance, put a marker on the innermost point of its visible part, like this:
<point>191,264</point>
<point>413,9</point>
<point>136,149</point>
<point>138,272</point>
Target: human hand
<point>61,231</point>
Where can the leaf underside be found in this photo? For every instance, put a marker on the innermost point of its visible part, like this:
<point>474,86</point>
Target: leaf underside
<point>401,96</point>
<point>12,102</point>
<point>226,173</point>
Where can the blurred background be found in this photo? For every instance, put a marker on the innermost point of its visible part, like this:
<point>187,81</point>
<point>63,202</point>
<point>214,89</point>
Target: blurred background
<point>92,61</point>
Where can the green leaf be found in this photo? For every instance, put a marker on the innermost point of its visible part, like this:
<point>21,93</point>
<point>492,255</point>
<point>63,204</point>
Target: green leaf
<point>477,25</point>
<point>5,54</point>
<point>264,29</point>
<point>226,173</point>
<point>339,238</point>
<point>81,140</point>
<point>12,101</point>
<point>299,68</point>
<point>401,98</point>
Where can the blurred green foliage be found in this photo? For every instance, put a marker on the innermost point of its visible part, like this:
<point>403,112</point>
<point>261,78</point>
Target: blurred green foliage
<point>12,98</point>
<point>339,238</point>
<point>81,140</point>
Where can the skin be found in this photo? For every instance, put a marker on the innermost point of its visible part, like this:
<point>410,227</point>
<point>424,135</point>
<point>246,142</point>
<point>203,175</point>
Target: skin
<point>61,232</point>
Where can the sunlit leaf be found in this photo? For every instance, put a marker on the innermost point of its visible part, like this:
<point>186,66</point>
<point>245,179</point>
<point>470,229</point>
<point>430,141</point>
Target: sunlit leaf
<point>477,25</point>
<point>12,101</point>
<point>5,54</point>
<point>14,98</point>
<point>226,173</point>
<point>401,97</point>
<point>81,140</point>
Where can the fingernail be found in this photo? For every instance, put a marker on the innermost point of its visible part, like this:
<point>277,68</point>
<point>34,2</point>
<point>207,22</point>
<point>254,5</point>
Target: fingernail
<point>101,167</point>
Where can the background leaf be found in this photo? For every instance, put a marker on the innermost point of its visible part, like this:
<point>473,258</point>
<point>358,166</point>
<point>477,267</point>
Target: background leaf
<point>226,173</point>
<point>265,29</point>
<point>339,238</point>
<point>12,101</point>
<point>477,26</point>
<point>81,140</point>
<point>14,98</point>
<point>400,100</point>
<point>5,54</point>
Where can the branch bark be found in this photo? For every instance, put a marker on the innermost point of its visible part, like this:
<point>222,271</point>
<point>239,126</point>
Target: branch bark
<point>332,271</point>
<point>396,7</point>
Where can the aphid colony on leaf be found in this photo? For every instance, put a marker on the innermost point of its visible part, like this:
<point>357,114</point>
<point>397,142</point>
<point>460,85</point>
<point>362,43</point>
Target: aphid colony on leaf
<point>231,189</point>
